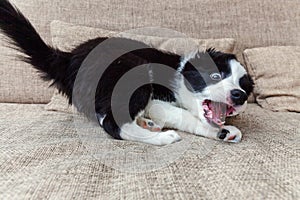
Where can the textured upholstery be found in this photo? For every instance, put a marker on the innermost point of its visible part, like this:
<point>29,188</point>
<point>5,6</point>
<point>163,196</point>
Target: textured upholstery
<point>19,82</point>
<point>45,155</point>
<point>66,36</point>
<point>277,89</point>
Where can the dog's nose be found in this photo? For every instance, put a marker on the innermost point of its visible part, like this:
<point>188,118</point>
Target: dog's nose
<point>238,97</point>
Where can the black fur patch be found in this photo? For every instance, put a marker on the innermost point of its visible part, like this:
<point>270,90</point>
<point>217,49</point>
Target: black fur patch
<point>222,134</point>
<point>247,84</point>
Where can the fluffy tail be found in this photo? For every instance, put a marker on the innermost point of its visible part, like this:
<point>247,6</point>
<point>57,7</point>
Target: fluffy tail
<point>52,62</point>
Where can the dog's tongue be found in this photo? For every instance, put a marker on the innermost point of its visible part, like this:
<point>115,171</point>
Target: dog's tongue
<point>219,111</point>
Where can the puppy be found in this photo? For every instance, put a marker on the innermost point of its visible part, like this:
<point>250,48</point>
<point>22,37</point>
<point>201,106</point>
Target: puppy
<point>200,91</point>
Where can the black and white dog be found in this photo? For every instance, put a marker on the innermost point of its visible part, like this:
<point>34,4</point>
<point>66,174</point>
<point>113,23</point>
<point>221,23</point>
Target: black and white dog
<point>192,105</point>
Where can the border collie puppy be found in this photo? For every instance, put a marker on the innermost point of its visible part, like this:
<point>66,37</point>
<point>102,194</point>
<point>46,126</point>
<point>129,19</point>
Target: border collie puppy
<point>191,99</point>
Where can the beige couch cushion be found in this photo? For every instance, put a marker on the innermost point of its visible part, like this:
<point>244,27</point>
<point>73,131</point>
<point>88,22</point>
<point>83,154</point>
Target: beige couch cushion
<point>43,156</point>
<point>252,23</point>
<point>276,75</point>
<point>66,36</point>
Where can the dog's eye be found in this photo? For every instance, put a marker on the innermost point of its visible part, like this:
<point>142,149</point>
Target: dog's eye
<point>150,124</point>
<point>216,76</point>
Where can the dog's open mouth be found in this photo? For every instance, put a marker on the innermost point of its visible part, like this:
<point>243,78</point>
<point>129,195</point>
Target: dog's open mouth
<point>216,112</point>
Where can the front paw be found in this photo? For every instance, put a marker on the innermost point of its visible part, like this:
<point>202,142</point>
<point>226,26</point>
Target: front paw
<point>230,134</point>
<point>168,137</point>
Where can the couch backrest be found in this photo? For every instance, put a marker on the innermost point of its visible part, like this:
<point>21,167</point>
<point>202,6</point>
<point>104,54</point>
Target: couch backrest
<point>252,23</point>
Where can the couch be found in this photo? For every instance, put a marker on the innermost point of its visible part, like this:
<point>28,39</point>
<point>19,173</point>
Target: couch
<point>49,152</point>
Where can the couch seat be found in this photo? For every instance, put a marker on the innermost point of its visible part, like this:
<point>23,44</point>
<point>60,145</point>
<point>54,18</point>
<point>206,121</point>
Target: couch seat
<point>44,154</point>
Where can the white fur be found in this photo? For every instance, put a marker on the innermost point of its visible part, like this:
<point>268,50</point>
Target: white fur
<point>174,117</point>
<point>133,132</point>
<point>237,71</point>
<point>101,119</point>
<point>185,59</point>
<point>187,99</point>
<point>233,131</point>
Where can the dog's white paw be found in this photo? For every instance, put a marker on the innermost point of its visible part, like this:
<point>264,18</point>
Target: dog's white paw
<point>230,134</point>
<point>168,137</point>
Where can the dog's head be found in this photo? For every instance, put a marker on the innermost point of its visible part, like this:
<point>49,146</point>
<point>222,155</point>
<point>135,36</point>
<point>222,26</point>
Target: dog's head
<point>213,85</point>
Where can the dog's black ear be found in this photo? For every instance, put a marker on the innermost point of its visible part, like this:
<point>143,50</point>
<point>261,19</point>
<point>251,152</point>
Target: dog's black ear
<point>247,84</point>
<point>222,60</point>
<point>220,57</point>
